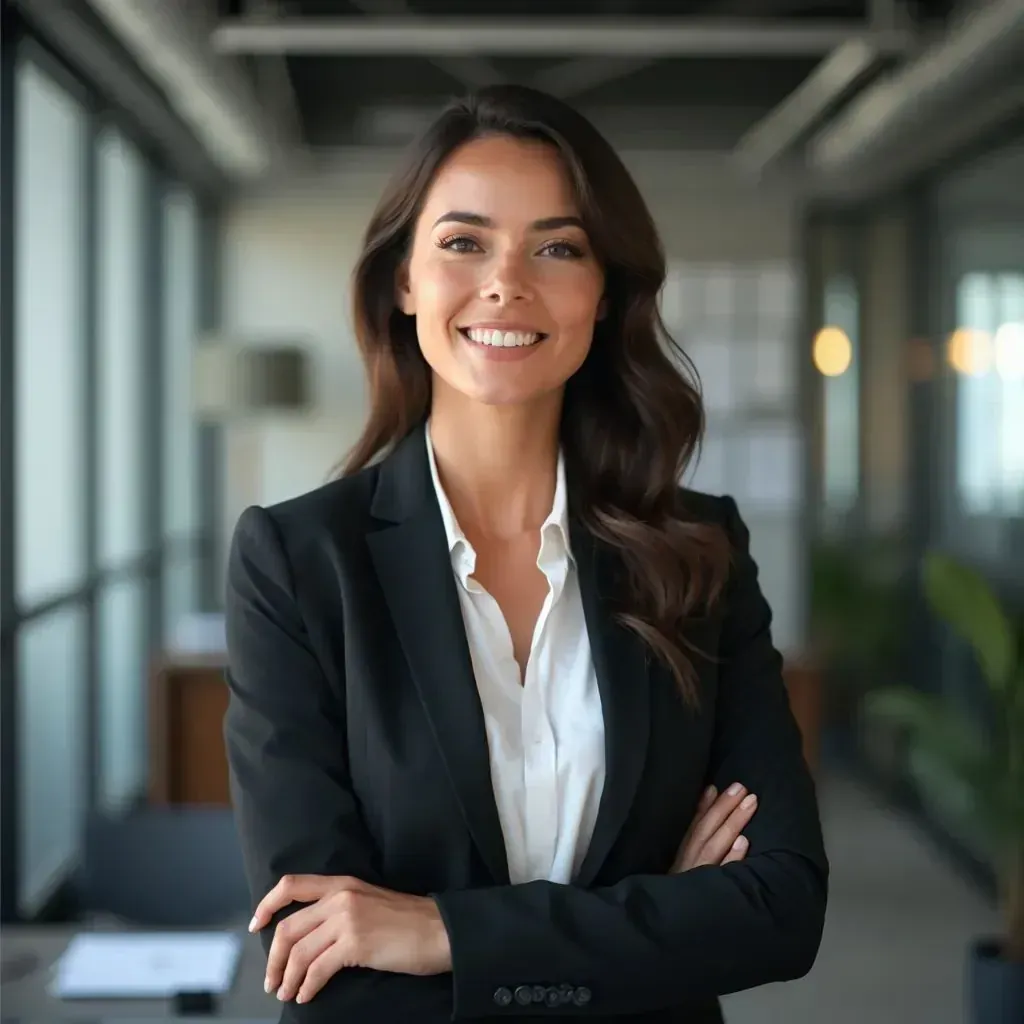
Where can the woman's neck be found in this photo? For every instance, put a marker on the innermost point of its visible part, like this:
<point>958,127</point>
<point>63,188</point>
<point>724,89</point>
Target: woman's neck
<point>497,463</point>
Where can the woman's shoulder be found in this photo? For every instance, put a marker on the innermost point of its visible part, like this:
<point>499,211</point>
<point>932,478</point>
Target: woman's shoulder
<point>701,507</point>
<point>329,517</point>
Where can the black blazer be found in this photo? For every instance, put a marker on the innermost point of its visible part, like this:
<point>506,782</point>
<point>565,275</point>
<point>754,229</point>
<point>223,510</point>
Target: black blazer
<point>356,745</point>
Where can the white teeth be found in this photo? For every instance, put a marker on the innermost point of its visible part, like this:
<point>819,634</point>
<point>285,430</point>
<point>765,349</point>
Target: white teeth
<point>501,339</point>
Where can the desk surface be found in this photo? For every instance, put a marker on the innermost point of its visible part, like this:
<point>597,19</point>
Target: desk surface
<point>26,999</point>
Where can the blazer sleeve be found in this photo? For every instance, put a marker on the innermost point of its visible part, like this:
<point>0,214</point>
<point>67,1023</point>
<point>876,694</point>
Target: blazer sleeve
<point>285,737</point>
<point>652,942</point>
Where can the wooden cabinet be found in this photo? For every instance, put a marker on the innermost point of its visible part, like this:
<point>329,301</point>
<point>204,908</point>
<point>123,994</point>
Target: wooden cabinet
<point>804,685</point>
<point>188,765</point>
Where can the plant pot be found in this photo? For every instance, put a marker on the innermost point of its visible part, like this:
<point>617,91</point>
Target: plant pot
<point>995,987</point>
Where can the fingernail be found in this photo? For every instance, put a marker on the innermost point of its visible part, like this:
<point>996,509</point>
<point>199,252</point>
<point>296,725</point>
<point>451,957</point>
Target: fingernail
<point>740,844</point>
<point>280,994</point>
<point>253,924</point>
<point>709,792</point>
<point>300,998</point>
<point>749,801</point>
<point>735,789</point>
<point>266,986</point>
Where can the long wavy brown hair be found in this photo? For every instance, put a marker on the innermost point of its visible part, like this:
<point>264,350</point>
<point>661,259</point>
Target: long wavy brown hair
<point>632,415</point>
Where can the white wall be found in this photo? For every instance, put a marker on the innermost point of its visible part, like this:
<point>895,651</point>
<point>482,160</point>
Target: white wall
<point>289,250</point>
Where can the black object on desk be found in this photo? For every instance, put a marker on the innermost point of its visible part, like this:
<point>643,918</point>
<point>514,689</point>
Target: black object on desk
<point>194,1004</point>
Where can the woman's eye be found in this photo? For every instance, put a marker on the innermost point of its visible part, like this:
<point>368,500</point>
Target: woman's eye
<point>563,250</point>
<point>458,243</point>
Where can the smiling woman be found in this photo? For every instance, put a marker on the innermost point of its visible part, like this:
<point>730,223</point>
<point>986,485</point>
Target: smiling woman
<point>501,286</point>
<point>507,729</point>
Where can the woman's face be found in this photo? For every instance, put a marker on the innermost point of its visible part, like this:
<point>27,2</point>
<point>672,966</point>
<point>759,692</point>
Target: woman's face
<point>501,277</point>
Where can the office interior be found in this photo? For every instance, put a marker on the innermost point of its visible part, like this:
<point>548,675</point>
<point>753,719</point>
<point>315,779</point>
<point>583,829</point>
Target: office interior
<point>183,187</point>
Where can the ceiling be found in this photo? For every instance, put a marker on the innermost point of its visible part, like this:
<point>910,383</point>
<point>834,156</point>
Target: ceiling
<point>697,101</point>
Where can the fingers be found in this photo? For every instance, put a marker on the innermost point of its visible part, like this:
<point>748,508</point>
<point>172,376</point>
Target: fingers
<point>737,851</point>
<point>707,799</point>
<point>287,935</point>
<point>301,957</point>
<point>714,818</point>
<point>323,968</point>
<point>299,889</point>
<point>290,889</point>
<point>716,827</point>
<point>720,842</point>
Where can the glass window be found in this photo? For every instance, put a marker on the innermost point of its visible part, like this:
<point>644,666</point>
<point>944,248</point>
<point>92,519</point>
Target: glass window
<point>122,691</point>
<point>836,357</point>
<point>51,750</point>
<point>181,322</point>
<point>49,254</point>
<point>121,340</point>
<point>181,594</point>
<point>987,352</point>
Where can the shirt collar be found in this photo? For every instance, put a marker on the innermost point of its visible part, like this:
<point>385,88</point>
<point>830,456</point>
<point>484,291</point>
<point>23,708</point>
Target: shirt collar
<point>554,528</point>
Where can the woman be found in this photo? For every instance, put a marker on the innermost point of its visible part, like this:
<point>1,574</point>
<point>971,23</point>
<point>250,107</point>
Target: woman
<point>481,684</point>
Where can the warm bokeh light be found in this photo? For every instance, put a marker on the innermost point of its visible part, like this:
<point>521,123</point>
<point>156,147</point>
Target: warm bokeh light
<point>970,351</point>
<point>832,351</point>
<point>1009,351</point>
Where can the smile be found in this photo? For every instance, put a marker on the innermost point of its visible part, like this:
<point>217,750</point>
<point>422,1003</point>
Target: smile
<point>501,339</point>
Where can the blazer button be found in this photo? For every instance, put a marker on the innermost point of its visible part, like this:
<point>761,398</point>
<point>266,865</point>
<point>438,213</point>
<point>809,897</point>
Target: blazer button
<point>582,996</point>
<point>524,995</point>
<point>502,996</point>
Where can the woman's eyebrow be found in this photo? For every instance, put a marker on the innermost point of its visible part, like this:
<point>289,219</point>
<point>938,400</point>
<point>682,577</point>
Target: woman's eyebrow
<point>479,221</point>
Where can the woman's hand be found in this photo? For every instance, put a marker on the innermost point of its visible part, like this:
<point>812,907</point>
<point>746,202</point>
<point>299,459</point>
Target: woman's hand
<point>348,923</point>
<point>715,834</point>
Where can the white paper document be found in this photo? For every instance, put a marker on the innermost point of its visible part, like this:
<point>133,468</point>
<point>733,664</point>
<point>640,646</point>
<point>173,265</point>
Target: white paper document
<point>141,965</point>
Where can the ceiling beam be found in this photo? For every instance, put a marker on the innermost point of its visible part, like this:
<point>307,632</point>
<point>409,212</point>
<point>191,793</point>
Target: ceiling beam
<point>831,81</point>
<point>986,41</point>
<point>539,37</point>
<point>273,82</point>
<point>471,71</point>
<point>570,78</point>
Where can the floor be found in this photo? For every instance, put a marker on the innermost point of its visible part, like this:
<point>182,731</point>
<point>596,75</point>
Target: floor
<point>893,953</point>
<point>898,923</point>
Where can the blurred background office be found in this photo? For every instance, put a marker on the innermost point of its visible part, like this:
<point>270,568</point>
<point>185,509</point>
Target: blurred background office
<point>183,187</point>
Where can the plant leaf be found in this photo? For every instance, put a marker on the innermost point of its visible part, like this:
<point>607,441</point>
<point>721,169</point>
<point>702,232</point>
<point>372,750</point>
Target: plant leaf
<point>946,735</point>
<point>951,749</point>
<point>963,598</point>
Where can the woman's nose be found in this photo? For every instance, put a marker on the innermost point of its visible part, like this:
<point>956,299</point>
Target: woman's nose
<point>508,282</point>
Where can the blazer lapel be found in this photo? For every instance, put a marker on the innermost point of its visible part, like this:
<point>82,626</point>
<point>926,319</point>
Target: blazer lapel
<point>414,567</point>
<point>621,664</point>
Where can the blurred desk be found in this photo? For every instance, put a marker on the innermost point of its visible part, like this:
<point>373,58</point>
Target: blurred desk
<point>188,698</point>
<point>26,998</point>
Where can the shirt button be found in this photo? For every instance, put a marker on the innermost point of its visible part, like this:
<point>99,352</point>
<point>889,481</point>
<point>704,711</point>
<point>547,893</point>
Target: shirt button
<point>502,996</point>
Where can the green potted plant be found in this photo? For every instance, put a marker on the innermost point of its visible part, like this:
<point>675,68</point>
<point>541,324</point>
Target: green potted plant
<point>986,764</point>
<point>858,610</point>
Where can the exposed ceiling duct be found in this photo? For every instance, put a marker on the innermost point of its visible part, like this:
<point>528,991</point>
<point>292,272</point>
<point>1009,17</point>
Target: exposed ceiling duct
<point>209,92</point>
<point>545,37</point>
<point>970,55</point>
<point>831,81</point>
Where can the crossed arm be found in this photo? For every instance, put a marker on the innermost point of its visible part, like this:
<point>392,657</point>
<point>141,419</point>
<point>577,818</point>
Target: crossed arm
<point>644,944</point>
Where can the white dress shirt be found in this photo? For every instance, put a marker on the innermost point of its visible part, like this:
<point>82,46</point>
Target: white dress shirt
<point>546,733</point>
